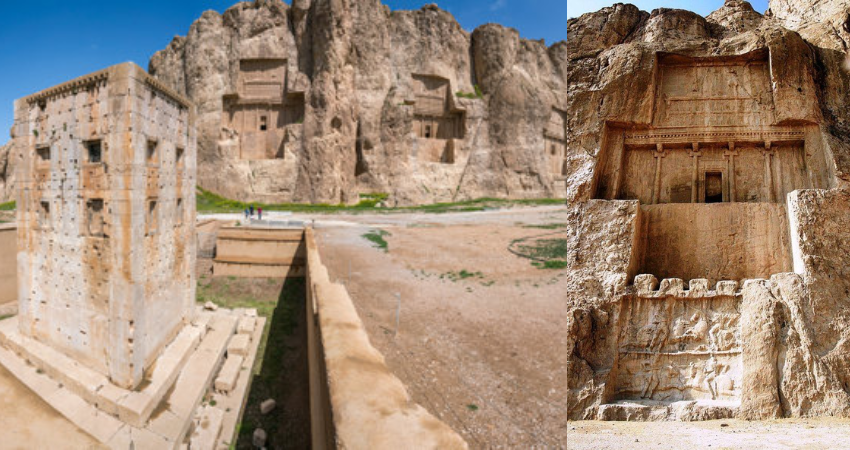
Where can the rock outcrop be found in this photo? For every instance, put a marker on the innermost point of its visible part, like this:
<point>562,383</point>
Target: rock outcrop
<point>7,173</point>
<point>322,101</point>
<point>661,105</point>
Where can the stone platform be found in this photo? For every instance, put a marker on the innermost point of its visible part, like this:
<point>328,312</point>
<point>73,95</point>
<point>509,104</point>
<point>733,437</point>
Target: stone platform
<point>685,410</point>
<point>169,407</point>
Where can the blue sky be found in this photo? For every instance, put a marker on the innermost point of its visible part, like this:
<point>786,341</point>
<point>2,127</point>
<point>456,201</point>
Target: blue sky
<point>46,42</point>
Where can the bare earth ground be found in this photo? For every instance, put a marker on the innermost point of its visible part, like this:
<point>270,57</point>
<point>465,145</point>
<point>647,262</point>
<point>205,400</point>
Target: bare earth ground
<point>481,353</point>
<point>814,434</point>
<point>485,353</point>
<point>27,422</point>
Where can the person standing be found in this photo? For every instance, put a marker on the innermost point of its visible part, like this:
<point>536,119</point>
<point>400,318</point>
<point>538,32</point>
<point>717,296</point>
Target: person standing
<point>251,208</point>
<point>260,213</point>
<point>246,213</point>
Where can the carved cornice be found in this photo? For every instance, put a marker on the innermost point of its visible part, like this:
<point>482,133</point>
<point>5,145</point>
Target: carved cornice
<point>689,137</point>
<point>78,84</point>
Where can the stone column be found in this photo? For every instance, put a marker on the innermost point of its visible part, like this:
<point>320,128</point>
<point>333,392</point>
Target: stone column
<point>695,153</point>
<point>768,172</point>
<point>730,168</point>
<point>656,186</point>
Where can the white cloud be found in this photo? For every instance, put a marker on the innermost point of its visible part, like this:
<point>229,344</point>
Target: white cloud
<point>498,4</point>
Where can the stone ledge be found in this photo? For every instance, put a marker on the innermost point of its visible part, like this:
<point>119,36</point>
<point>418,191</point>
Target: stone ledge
<point>171,417</point>
<point>685,411</point>
<point>133,407</point>
<point>647,286</point>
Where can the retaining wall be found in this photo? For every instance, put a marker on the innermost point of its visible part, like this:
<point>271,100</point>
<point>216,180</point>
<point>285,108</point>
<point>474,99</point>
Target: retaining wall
<point>259,252</point>
<point>8,263</point>
<point>355,401</point>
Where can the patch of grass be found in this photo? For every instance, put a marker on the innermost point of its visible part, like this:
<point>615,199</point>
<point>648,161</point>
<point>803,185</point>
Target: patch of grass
<point>551,264</point>
<point>6,316</point>
<point>545,249</point>
<point>471,95</point>
<point>372,200</point>
<point>472,407</point>
<point>546,226</point>
<point>209,202</point>
<point>376,237</point>
<point>462,275</point>
<point>8,206</point>
<point>551,253</point>
<point>488,283</point>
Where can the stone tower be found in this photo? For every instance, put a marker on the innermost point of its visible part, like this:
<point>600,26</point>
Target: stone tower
<point>106,198</point>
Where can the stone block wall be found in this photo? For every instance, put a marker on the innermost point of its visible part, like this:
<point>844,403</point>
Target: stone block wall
<point>355,400</point>
<point>8,264</point>
<point>106,205</point>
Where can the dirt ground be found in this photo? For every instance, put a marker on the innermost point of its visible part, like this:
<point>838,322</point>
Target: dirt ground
<point>485,353</point>
<point>479,341</point>
<point>280,371</point>
<point>27,422</point>
<point>810,434</point>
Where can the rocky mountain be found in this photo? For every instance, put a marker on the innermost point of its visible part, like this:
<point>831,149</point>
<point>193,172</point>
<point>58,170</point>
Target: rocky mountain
<point>320,101</point>
<point>667,112</point>
<point>7,173</point>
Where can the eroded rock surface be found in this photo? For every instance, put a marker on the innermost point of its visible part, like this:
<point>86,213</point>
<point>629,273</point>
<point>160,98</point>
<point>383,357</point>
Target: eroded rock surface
<point>7,172</point>
<point>322,101</point>
<point>734,309</point>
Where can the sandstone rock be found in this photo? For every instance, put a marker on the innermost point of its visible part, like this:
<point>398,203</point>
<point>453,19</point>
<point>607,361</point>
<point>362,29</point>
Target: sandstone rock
<point>210,306</point>
<point>655,351</point>
<point>7,172</point>
<point>259,438</point>
<point>267,406</point>
<point>239,345</point>
<point>370,100</point>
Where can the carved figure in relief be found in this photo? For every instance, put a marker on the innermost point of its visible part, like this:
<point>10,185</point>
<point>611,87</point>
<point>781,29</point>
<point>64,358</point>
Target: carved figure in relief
<point>653,336</point>
<point>722,335</point>
<point>709,371</point>
<point>652,381</point>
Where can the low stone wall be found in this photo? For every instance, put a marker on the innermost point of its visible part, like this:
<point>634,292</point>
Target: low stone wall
<point>355,401</point>
<point>251,252</point>
<point>8,263</point>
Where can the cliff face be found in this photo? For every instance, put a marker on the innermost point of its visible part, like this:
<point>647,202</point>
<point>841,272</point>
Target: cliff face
<point>360,99</point>
<point>659,103</point>
<point>7,173</point>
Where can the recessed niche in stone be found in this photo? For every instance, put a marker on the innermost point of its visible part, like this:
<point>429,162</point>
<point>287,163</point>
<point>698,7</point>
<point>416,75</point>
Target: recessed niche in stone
<point>96,218</point>
<point>43,153</point>
<point>437,122</point>
<point>94,151</point>
<point>260,110</point>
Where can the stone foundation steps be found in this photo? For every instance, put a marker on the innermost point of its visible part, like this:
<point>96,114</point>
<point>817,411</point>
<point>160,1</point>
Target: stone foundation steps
<point>175,414</point>
<point>654,411</point>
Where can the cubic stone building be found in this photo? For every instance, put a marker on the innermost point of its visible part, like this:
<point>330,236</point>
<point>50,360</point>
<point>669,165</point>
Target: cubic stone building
<point>106,198</point>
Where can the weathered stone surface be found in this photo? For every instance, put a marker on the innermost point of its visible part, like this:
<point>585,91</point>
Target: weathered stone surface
<point>259,438</point>
<point>267,406</point>
<point>7,173</point>
<point>105,207</point>
<point>357,99</point>
<point>728,101</point>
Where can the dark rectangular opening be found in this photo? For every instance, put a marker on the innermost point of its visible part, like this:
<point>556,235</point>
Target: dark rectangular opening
<point>151,151</point>
<point>264,123</point>
<point>179,211</point>
<point>43,153</point>
<point>178,155</point>
<point>44,214</point>
<point>152,218</point>
<point>713,187</point>
<point>94,152</point>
